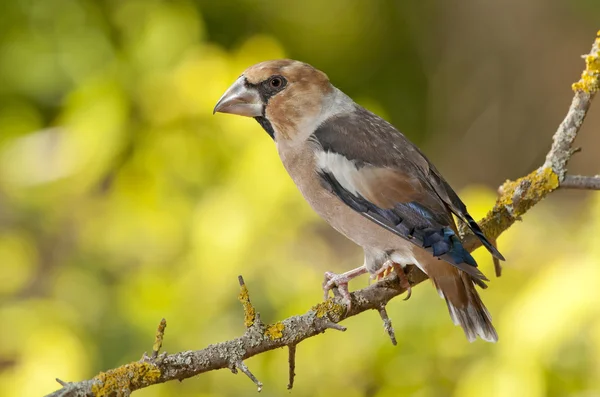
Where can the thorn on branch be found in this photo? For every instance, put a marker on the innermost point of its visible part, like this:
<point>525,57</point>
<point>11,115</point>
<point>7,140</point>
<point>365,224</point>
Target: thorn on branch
<point>331,325</point>
<point>387,324</point>
<point>158,338</point>
<point>62,382</point>
<point>242,367</point>
<point>244,298</point>
<point>292,365</point>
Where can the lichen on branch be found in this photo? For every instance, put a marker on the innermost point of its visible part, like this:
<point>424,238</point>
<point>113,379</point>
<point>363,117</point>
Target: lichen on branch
<point>516,198</point>
<point>244,298</point>
<point>121,381</point>
<point>590,78</point>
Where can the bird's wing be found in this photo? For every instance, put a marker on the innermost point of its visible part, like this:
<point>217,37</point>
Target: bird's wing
<point>376,171</point>
<point>458,208</point>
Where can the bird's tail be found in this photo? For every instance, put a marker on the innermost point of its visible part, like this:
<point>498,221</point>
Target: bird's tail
<point>465,305</point>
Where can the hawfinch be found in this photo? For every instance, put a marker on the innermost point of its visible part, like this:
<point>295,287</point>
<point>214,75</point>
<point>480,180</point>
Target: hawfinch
<point>368,181</point>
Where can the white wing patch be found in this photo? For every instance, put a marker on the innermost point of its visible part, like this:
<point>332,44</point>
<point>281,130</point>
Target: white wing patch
<point>342,169</point>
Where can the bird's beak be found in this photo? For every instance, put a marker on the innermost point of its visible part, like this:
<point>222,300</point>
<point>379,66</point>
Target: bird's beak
<point>241,100</point>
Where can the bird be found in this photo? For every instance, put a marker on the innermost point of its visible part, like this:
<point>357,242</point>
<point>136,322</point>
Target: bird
<point>369,182</point>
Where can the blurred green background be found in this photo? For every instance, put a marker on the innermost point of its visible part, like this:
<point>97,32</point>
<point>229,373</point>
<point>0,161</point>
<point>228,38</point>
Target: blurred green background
<point>124,200</point>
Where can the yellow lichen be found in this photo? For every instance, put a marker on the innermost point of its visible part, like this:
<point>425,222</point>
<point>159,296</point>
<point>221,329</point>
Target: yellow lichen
<point>590,78</point>
<point>517,197</point>
<point>249,312</point>
<point>329,309</point>
<point>275,331</point>
<point>158,339</point>
<point>121,381</point>
<point>534,187</point>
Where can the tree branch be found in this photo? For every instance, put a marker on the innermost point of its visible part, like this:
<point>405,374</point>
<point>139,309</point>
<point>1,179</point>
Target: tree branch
<point>515,199</point>
<point>581,182</point>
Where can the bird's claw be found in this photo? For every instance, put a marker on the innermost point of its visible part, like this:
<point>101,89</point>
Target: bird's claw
<point>339,281</point>
<point>387,268</point>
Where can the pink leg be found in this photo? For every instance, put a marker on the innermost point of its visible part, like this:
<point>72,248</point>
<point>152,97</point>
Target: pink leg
<point>340,281</point>
<point>387,269</point>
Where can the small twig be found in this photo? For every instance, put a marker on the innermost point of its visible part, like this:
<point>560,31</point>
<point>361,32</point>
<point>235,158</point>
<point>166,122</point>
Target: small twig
<point>387,324</point>
<point>158,338</point>
<point>332,325</point>
<point>496,261</point>
<point>497,266</point>
<point>292,365</point>
<point>62,382</point>
<point>242,367</point>
<point>244,298</point>
<point>581,182</point>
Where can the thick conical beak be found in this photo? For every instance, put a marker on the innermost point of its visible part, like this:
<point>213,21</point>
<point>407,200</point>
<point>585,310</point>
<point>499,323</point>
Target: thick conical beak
<point>241,100</point>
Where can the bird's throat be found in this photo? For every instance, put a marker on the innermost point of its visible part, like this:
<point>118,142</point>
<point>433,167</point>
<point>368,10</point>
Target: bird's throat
<point>266,125</point>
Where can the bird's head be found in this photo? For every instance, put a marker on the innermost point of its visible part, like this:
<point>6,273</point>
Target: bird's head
<point>285,96</point>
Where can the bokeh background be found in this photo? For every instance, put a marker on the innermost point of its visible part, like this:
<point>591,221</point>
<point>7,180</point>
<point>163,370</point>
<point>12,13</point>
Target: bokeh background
<point>124,200</point>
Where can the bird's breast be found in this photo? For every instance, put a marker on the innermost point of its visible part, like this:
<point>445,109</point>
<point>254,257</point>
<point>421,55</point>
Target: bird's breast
<point>301,164</point>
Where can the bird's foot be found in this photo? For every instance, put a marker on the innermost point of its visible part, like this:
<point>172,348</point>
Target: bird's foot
<point>387,268</point>
<point>340,281</point>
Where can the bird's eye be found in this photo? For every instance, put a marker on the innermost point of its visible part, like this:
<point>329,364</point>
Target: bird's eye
<point>272,86</point>
<point>276,82</point>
